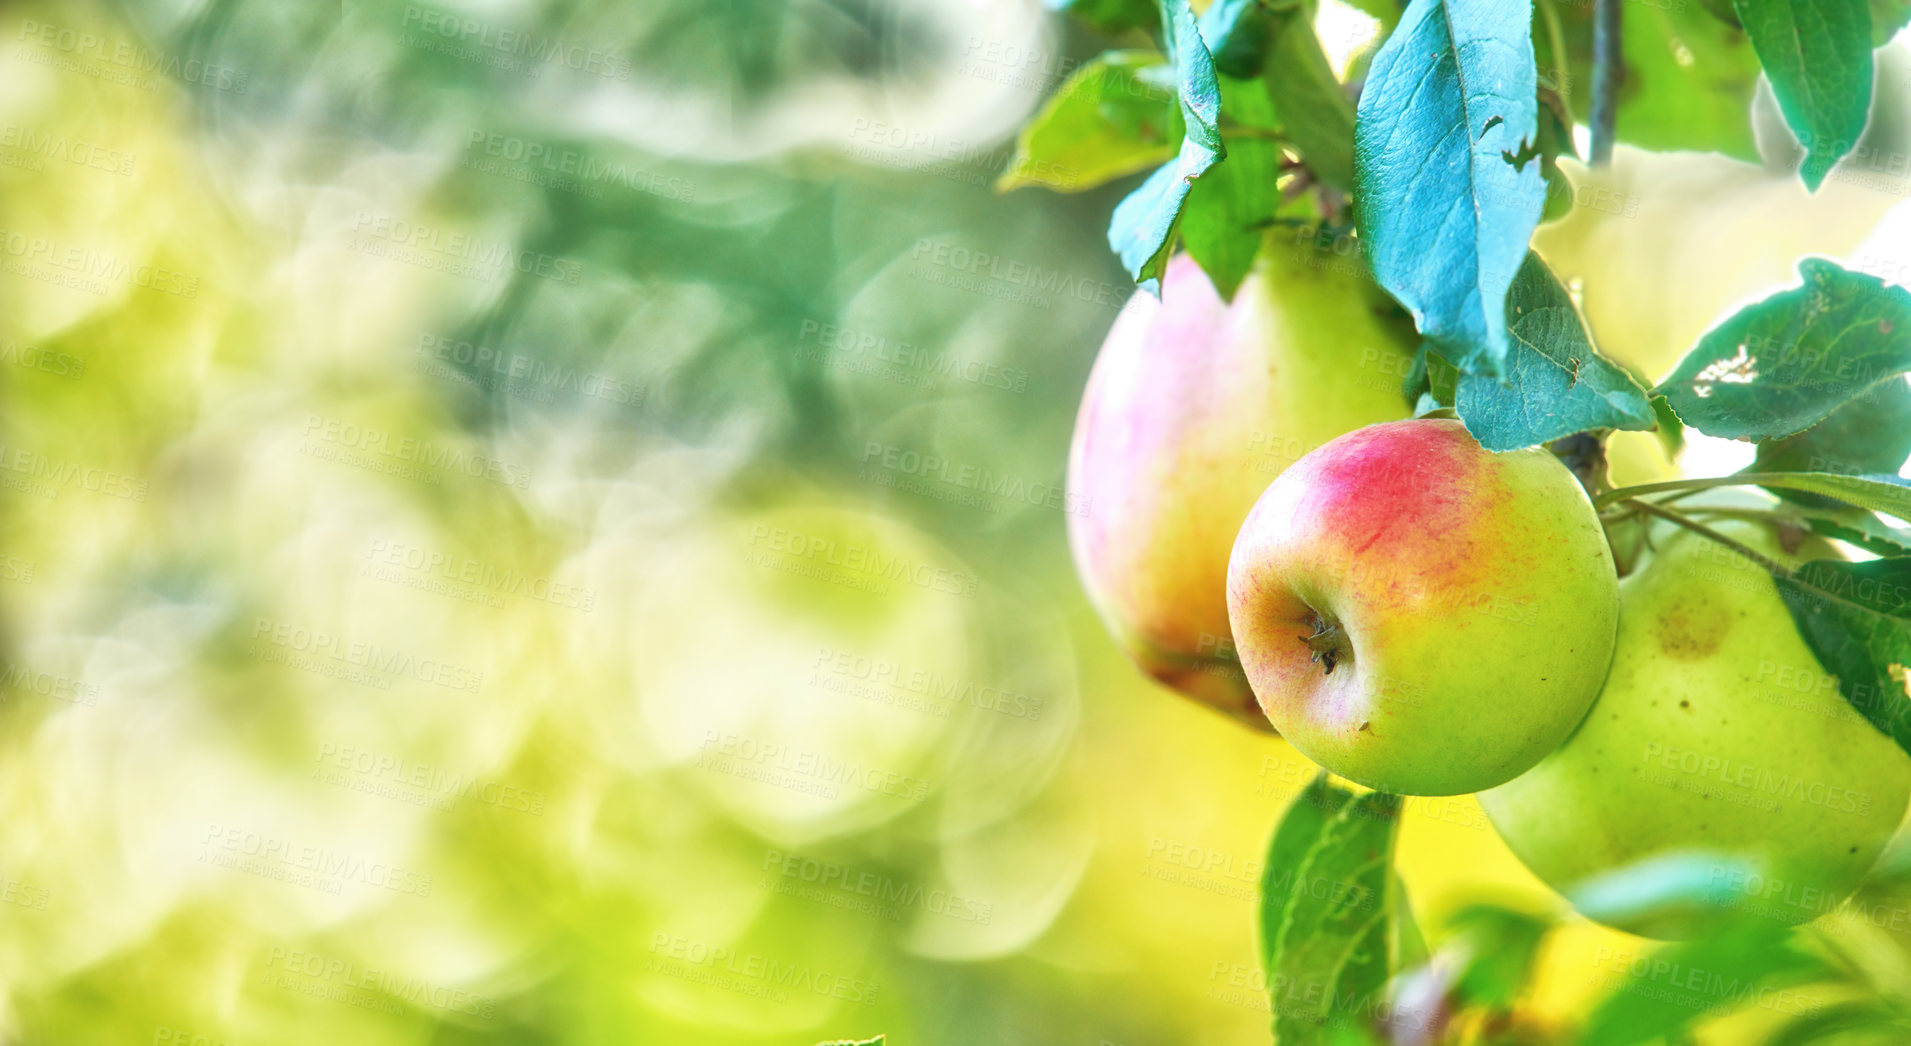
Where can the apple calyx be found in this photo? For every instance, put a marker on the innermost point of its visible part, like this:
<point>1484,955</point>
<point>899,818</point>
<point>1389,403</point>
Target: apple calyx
<point>1328,642</point>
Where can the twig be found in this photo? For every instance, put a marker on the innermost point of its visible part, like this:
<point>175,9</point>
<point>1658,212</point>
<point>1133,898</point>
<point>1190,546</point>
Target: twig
<point>1607,72</point>
<point>1696,527</point>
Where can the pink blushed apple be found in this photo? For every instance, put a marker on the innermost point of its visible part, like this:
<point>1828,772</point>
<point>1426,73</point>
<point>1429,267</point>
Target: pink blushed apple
<point>1419,614</point>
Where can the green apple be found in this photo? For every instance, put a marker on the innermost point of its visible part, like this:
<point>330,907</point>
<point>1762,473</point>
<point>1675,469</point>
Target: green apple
<point>1717,733</point>
<point>1420,615</point>
<point>1192,407</point>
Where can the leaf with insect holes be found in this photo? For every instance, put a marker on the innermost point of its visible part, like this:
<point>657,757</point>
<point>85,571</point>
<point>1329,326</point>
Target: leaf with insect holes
<point>1142,230</point>
<point>1817,54</point>
<point>1555,384</point>
<point>1445,204</point>
<point>1781,365</point>
<point>1114,116</point>
<point>1327,910</point>
<point>1856,618</point>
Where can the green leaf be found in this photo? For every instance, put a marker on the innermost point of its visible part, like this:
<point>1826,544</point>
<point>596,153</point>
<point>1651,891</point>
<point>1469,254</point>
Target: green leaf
<point>1887,17</point>
<point>1689,76</point>
<point>1671,430</point>
<point>1237,33</point>
<point>1326,910</point>
<point>1779,366</point>
<point>1856,618</point>
<point>1109,16</point>
<point>1317,116</point>
<point>1443,380</point>
<point>1229,210</point>
<point>1112,117</point>
<point>1824,1023</point>
<point>1880,492</point>
<point>1142,231</point>
<point>1817,54</point>
<point>1856,527</point>
<point>1443,210</point>
<point>1495,948</point>
<point>1870,434</point>
<point>1555,383</point>
<point>1689,81</point>
<point>1670,989</point>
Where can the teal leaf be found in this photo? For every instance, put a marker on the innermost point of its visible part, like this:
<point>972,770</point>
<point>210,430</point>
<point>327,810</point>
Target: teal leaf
<point>1555,383</point>
<point>1142,231</point>
<point>1449,104</point>
<point>1817,54</point>
<point>1781,365</point>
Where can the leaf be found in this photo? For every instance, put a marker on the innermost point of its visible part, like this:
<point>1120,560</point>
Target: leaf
<point>1670,989</point>
<point>1237,33</point>
<point>1823,1023</point>
<point>1112,117</point>
<point>1684,890</point>
<point>1142,231</point>
<point>1688,84</point>
<point>1887,17</point>
<point>1817,54</point>
<point>1879,492</point>
<point>1326,910</point>
<point>1317,116</point>
<point>1671,430</point>
<point>1443,212</point>
<point>1856,618</point>
<point>1689,77</point>
<point>1443,381</point>
<point>1869,434</point>
<point>1555,384</point>
<point>1856,527</point>
<point>1779,366</point>
<point>1229,210</point>
<point>1109,16</point>
<point>1496,948</point>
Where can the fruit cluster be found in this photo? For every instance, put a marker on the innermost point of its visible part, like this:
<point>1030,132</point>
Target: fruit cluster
<point>1272,536</point>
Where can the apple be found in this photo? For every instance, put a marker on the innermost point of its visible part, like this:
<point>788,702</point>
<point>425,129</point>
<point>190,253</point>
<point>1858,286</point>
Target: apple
<point>1193,405</point>
<point>1717,733</point>
<point>1419,614</point>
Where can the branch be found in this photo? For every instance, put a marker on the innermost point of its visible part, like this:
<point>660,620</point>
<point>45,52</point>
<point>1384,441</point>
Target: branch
<point>1608,70</point>
<point>1696,527</point>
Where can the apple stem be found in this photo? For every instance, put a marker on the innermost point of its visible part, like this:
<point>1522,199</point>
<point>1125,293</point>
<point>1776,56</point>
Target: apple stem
<point>1325,642</point>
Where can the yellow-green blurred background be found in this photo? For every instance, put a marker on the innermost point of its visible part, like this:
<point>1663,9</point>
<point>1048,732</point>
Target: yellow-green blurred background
<point>541,522</point>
